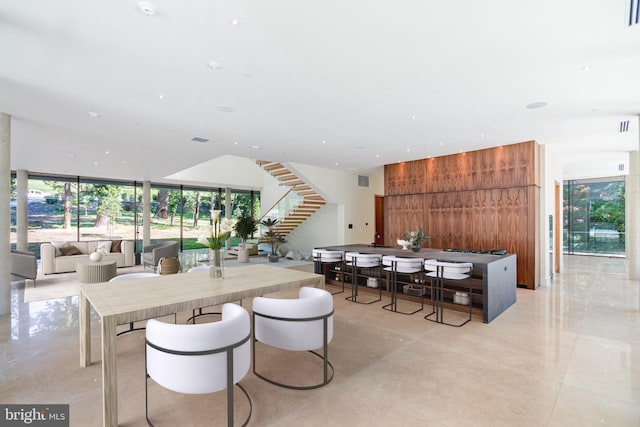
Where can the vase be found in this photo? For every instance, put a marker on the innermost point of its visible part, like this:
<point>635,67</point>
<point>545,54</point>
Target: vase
<point>415,248</point>
<point>216,264</point>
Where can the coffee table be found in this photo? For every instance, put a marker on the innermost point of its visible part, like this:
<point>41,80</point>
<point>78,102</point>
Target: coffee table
<point>95,271</point>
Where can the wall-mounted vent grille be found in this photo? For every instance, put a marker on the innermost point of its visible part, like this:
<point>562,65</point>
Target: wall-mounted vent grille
<point>199,139</point>
<point>634,12</point>
<point>363,181</point>
<point>621,167</point>
<point>624,126</point>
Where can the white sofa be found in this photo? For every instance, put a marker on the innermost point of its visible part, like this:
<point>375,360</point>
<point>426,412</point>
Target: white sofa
<point>53,261</point>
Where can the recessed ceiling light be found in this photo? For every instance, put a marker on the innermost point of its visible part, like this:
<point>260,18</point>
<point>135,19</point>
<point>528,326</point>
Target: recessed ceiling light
<point>235,22</point>
<point>482,136</point>
<point>106,152</point>
<point>93,114</point>
<point>324,142</point>
<point>413,117</point>
<point>95,163</point>
<point>161,97</point>
<point>224,109</point>
<point>441,144</point>
<point>235,143</point>
<point>408,150</point>
<point>71,155</point>
<point>377,155</point>
<point>535,105</point>
<point>585,68</point>
<point>199,139</point>
<point>254,147</point>
<point>147,8</point>
<point>214,65</point>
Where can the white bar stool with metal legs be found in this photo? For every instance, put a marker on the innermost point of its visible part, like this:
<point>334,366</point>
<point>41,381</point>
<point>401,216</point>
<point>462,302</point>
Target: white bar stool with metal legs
<point>402,265</point>
<point>439,271</point>
<point>331,259</point>
<point>366,265</point>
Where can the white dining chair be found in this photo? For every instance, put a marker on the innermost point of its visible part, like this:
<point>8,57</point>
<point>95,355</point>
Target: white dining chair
<point>295,324</point>
<point>200,359</point>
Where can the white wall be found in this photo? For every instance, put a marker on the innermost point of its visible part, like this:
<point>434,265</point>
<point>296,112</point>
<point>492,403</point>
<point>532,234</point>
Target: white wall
<point>347,203</point>
<point>551,174</point>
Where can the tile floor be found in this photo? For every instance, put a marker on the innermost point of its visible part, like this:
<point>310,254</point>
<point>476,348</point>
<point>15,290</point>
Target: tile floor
<point>564,355</point>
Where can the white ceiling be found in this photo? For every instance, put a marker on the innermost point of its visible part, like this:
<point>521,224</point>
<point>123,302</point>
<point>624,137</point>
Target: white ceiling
<point>349,85</point>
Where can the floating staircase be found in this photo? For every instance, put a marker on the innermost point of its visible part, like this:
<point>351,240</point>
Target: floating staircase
<point>310,200</point>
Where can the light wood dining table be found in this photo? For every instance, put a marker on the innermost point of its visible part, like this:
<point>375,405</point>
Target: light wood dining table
<point>128,301</point>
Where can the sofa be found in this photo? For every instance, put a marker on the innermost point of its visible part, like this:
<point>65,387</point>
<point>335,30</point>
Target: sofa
<point>60,257</point>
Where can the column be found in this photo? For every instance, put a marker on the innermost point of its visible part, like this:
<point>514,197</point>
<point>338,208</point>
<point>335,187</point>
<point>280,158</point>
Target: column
<point>5,214</point>
<point>22,209</point>
<point>146,213</point>
<point>227,210</point>
<point>632,215</point>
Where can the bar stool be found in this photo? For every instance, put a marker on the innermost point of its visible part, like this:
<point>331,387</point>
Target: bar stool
<point>402,265</point>
<point>439,271</point>
<point>332,259</point>
<point>367,265</point>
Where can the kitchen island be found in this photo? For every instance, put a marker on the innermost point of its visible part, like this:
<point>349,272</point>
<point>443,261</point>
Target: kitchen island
<point>495,275</point>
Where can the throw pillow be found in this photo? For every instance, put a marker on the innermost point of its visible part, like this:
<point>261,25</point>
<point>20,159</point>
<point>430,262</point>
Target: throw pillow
<point>116,246</point>
<point>104,247</point>
<point>60,245</point>
<point>70,250</point>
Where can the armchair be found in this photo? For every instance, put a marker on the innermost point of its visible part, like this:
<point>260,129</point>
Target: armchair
<point>151,254</point>
<point>24,265</point>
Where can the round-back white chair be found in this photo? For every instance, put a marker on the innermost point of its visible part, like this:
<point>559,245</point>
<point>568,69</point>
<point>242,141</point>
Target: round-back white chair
<point>449,277</point>
<point>199,359</point>
<point>298,324</point>
<point>198,268</point>
<point>326,258</point>
<point>407,266</point>
<point>363,265</point>
<point>133,276</point>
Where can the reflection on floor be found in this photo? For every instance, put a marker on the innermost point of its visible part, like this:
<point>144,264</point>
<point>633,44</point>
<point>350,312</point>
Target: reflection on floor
<point>564,355</point>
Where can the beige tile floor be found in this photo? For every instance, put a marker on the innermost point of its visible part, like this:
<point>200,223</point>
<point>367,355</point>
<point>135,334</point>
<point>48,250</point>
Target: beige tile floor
<point>564,355</point>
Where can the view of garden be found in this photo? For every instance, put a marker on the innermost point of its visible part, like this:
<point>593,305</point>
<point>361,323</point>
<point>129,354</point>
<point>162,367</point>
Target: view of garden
<point>60,210</point>
<point>594,216</point>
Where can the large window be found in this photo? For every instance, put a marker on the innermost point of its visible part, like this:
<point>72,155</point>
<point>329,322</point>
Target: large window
<point>73,208</point>
<point>594,216</point>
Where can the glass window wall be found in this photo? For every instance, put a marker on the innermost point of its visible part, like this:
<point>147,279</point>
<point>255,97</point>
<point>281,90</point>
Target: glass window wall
<point>594,216</point>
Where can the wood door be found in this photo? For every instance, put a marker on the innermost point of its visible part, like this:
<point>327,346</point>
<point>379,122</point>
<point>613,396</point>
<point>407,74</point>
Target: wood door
<point>379,214</point>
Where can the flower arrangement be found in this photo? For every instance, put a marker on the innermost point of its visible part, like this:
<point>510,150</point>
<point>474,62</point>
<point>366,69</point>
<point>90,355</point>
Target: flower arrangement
<point>416,237</point>
<point>217,234</point>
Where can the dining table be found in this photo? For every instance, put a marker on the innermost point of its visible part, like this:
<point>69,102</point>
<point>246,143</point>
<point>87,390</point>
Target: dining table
<point>122,302</point>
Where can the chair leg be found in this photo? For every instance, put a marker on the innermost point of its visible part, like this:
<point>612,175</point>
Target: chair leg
<point>354,290</point>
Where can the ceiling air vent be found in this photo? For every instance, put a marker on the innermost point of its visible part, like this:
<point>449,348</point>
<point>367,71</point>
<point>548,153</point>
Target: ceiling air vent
<point>363,181</point>
<point>624,126</point>
<point>199,139</point>
<point>634,13</point>
<point>620,167</point>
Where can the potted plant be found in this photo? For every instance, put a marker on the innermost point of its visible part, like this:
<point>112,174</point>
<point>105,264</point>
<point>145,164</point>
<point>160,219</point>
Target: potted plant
<point>416,237</point>
<point>271,236</point>
<point>244,228</point>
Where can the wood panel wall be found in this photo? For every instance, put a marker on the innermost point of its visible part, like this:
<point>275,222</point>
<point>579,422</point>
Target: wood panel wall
<point>482,200</point>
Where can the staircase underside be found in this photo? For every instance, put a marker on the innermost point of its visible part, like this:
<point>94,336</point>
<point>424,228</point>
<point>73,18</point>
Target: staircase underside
<point>311,200</point>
